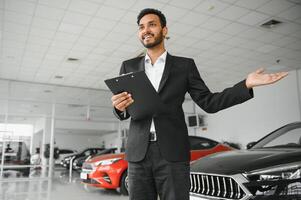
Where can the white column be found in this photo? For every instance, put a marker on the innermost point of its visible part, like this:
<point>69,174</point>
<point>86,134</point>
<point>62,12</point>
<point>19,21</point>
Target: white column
<point>51,154</point>
<point>42,150</point>
<point>298,74</point>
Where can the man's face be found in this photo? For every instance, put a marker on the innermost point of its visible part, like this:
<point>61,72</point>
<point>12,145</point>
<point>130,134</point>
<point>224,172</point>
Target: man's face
<point>150,31</point>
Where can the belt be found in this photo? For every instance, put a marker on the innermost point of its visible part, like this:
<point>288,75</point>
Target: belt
<point>152,136</point>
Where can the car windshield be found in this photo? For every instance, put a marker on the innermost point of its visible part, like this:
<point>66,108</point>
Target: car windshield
<point>285,137</point>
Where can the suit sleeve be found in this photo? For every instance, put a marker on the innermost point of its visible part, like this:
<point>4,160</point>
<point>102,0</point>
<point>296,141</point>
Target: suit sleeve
<point>119,114</point>
<point>214,102</point>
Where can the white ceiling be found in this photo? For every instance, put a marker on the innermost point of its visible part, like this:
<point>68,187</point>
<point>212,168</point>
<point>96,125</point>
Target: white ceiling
<point>37,36</point>
<point>223,36</point>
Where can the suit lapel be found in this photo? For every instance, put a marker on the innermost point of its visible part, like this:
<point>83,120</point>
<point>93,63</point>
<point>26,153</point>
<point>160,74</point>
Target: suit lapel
<point>166,71</point>
<point>141,65</point>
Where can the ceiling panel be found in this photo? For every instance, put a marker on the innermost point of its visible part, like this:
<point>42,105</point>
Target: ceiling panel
<point>37,38</point>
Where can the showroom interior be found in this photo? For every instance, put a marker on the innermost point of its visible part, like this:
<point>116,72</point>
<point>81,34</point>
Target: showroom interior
<point>56,54</point>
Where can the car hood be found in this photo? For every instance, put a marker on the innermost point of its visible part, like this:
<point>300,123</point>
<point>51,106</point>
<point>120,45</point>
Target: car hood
<point>105,157</point>
<point>240,161</point>
<point>71,155</point>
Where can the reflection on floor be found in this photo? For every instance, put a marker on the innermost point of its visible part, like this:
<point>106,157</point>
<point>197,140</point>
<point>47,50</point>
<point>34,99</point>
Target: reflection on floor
<point>59,188</point>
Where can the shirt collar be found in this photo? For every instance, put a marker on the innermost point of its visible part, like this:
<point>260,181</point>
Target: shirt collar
<point>161,58</point>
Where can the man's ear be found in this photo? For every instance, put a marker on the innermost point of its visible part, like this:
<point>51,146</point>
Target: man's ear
<point>165,31</point>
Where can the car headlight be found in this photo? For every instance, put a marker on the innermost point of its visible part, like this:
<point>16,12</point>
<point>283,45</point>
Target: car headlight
<point>278,180</point>
<point>285,171</point>
<point>106,162</point>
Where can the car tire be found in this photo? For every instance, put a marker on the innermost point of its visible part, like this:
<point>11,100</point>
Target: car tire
<point>124,183</point>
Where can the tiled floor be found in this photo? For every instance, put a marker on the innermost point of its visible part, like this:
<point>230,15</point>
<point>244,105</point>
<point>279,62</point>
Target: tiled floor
<point>59,188</point>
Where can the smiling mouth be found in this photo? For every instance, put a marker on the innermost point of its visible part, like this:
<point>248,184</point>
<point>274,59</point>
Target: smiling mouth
<point>146,37</point>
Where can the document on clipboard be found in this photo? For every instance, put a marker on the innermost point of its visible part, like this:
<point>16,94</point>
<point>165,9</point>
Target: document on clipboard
<point>147,101</point>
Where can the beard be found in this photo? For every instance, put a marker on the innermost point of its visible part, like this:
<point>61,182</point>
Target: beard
<point>158,39</point>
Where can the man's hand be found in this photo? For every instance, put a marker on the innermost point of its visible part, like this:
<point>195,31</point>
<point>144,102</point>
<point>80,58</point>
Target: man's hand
<point>258,78</point>
<point>122,100</point>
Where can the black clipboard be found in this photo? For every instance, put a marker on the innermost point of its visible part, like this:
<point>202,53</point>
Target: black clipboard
<point>147,101</point>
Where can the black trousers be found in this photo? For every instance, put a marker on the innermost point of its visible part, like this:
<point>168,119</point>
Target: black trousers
<point>154,176</point>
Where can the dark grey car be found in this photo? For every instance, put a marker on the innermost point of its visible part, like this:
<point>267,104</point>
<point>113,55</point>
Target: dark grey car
<point>269,169</point>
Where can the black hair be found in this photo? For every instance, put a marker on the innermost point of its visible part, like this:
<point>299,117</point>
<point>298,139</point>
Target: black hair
<point>147,11</point>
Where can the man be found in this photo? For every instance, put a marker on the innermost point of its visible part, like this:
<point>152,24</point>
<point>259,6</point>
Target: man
<point>158,148</point>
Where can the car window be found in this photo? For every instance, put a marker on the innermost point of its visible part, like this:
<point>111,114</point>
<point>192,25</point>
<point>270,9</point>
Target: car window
<point>201,143</point>
<point>99,151</point>
<point>88,152</point>
<point>290,138</point>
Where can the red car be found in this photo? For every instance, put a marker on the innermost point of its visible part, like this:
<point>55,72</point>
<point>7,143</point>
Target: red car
<point>110,171</point>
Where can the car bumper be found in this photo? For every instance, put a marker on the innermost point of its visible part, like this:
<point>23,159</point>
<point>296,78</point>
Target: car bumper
<point>192,197</point>
<point>103,177</point>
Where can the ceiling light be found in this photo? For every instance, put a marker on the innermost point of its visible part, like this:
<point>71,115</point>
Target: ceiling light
<point>58,77</point>
<point>271,24</point>
<point>73,59</point>
<point>75,106</point>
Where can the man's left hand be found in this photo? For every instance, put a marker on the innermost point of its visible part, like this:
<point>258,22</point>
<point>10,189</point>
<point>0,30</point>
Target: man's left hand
<point>259,78</point>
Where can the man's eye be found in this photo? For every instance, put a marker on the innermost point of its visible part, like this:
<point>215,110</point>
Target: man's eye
<point>152,24</point>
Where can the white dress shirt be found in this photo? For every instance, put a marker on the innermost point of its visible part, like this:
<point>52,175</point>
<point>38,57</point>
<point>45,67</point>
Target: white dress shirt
<point>154,73</point>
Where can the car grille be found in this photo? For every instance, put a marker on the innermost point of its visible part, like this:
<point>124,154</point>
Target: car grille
<point>215,186</point>
<point>90,181</point>
<point>87,166</point>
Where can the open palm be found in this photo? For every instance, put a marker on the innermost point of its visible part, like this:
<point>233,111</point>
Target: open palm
<point>258,78</point>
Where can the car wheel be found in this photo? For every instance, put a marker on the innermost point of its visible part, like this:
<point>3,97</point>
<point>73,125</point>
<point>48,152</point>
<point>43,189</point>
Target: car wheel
<point>124,186</point>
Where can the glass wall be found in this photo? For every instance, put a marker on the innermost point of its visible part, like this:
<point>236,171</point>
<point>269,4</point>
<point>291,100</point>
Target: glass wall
<point>41,124</point>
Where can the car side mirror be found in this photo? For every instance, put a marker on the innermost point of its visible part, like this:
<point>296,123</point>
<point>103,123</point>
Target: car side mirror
<point>250,145</point>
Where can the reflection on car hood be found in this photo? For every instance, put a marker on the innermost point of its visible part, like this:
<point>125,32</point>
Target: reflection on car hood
<point>234,162</point>
<point>71,155</point>
<point>105,157</point>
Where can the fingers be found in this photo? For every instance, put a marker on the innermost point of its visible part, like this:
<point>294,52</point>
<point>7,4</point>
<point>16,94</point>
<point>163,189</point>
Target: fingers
<point>117,96</point>
<point>122,101</point>
<point>281,75</point>
<point>260,70</point>
<point>116,99</point>
<point>277,76</point>
<point>124,104</point>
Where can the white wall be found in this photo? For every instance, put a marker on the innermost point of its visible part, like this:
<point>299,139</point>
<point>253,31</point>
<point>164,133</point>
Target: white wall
<point>271,107</point>
<point>78,141</point>
<point>110,140</point>
<point>69,140</point>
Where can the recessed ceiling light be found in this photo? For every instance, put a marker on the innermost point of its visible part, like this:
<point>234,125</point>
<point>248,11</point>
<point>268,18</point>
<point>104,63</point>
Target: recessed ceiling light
<point>271,24</point>
<point>73,59</point>
<point>58,77</point>
<point>75,106</point>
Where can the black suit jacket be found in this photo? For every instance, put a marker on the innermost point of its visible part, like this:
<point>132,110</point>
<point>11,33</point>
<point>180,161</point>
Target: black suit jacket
<point>180,75</point>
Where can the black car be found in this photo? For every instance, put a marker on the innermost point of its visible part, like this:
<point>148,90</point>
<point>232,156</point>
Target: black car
<point>269,169</point>
<point>78,162</point>
<point>87,152</point>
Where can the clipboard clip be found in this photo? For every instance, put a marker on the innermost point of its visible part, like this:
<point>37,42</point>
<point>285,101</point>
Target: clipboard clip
<point>126,74</point>
<point>132,76</point>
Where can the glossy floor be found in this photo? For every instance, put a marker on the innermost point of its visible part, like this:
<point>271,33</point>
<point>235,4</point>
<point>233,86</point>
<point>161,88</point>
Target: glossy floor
<point>59,188</point>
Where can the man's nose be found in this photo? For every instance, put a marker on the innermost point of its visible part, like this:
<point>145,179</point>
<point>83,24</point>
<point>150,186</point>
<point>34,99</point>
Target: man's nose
<point>146,30</point>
